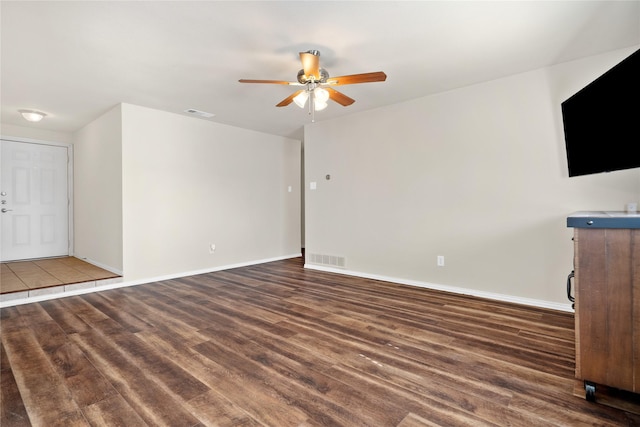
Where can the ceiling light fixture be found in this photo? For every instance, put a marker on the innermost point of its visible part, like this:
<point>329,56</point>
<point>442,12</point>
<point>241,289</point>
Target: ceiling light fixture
<point>318,95</point>
<point>32,115</point>
<point>317,84</point>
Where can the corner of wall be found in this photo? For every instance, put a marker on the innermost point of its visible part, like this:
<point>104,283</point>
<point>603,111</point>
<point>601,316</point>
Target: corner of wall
<point>98,190</point>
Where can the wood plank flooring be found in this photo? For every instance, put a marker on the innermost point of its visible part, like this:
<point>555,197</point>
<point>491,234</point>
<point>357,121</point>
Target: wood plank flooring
<point>277,345</point>
<point>19,276</point>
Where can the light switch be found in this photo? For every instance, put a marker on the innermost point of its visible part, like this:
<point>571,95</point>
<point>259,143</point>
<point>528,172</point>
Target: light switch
<point>289,189</point>
<point>312,186</point>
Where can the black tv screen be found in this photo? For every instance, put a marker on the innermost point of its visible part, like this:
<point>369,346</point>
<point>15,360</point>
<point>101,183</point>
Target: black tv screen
<point>602,121</point>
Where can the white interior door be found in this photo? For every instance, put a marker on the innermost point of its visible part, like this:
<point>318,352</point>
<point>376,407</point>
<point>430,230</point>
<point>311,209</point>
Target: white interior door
<point>34,201</point>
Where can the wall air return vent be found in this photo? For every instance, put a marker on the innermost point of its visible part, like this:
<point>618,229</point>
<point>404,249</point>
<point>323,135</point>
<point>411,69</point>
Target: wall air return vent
<point>328,260</point>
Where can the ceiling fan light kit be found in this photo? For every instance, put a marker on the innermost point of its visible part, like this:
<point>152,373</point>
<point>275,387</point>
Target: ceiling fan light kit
<point>318,95</point>
<point>317,83</point>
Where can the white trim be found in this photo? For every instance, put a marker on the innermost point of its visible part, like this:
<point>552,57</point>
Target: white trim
<point>35,141</point>
<point>102,266</point>
<point>70,197</point>
<point>110,285</point>
<point>453,289</point>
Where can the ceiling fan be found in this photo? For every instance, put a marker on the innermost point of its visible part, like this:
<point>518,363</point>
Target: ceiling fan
<point>318,85</point>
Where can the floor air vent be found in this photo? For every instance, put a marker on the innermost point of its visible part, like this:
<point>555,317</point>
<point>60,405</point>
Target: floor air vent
<point>328,260</point>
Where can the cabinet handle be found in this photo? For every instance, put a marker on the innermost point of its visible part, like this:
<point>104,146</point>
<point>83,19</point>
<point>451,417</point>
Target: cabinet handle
<point>569,296</point>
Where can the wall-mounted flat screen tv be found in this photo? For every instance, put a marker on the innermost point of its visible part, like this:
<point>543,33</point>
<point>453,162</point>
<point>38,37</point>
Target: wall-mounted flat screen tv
<point>602,121</point>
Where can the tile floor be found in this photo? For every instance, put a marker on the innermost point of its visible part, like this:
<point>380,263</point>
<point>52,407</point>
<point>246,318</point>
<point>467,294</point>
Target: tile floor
<point>32,277</point>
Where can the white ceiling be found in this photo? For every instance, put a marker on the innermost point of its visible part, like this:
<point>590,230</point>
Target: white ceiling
<point>76,60</point>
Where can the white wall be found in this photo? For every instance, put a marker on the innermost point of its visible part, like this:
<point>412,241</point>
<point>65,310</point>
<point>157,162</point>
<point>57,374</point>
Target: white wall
<point>189,183</point>
<point>46,135</point>
<point>476,174</point>
<point>98,191</point>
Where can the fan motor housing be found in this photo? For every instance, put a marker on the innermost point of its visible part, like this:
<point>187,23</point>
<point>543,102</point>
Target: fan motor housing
<point>324,75</point>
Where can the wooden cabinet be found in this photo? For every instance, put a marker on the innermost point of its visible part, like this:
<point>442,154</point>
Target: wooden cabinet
<point>607,306</point>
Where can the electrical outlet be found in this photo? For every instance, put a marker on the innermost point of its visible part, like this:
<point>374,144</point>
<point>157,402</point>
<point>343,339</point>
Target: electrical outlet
<point>212,248</point>
<point>440,260</point>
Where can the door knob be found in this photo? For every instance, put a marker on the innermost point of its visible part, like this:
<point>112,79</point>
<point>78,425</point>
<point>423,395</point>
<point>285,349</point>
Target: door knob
<point>3,210</point>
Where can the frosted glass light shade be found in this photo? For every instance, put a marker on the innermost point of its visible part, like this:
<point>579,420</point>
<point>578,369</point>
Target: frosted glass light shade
<point>321,95</point>
<point>301,98</point>
<point>320,98</point>
<point>32,116</point>
<point>319,105</point>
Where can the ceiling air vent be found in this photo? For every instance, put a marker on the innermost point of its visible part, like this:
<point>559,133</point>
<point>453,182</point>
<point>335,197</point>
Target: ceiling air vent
<point>199,113</point>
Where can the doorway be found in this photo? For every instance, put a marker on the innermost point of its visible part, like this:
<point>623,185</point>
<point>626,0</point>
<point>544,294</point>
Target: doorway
<point>34,200</point>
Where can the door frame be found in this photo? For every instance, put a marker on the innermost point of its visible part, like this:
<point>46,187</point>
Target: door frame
<point>69,148</point>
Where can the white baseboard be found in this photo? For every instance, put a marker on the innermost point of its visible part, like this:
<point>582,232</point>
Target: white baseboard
<point>110,284</point>
<point>445,288</point>
<point>102,266</point>
<point>210,270</point>
<point>456,290</point>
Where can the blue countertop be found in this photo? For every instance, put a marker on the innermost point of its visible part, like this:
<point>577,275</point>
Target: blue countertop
<point>603,219</point>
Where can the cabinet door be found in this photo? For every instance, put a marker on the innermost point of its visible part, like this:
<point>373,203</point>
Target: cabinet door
<point>605,271</point>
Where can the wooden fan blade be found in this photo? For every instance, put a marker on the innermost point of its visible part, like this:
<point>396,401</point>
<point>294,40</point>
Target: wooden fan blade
<point>289,99</point>
<point>310,64</point>
<point>378,76</point>
<point>339,97</point>
<point>276,82</point>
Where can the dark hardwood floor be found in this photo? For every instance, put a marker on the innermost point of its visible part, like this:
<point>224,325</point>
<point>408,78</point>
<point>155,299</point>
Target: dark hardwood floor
<point>277,345</point>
